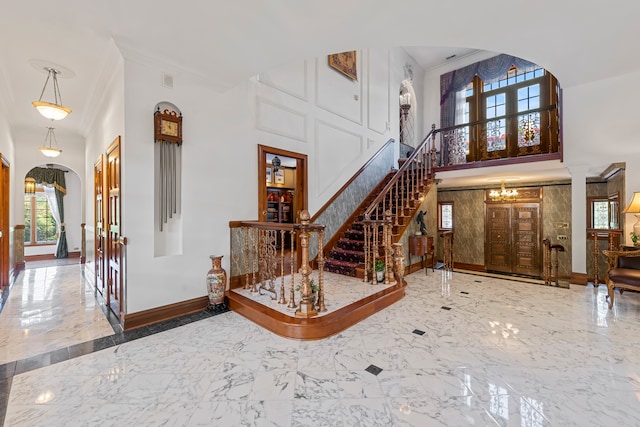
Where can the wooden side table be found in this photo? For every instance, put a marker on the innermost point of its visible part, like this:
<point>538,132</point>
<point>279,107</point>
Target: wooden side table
<point>421,246</point>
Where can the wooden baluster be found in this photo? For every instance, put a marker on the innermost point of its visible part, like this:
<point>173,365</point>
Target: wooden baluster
<point>375,253</point>
<point>396,186</point>
<point>320,304</point>
<point>388,250</point>
<point>367,249</point>
<point>292,294</point>
<point>282,299</point>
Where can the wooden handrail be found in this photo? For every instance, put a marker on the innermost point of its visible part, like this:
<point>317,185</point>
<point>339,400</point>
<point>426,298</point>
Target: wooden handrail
<point>420,162</point>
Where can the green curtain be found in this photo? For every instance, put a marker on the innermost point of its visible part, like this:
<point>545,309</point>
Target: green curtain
<point>55,177</point>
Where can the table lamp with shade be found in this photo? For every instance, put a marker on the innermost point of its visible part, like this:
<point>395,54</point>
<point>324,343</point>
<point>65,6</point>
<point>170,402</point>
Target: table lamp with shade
<point>634,208</point>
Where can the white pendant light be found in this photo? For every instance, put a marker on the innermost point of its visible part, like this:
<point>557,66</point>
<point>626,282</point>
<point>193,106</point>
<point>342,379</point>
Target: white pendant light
<point>52,110</point>
<point>50,150</point>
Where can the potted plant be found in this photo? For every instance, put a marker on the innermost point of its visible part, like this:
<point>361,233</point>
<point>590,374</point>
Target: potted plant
<point>380,267</point>
<point>314,290</point>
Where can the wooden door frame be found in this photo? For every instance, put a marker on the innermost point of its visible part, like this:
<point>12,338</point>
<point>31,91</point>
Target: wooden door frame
<point>301,189</point>
<point>5,259</point>
<point>98,230</point>
<point>115,145</point>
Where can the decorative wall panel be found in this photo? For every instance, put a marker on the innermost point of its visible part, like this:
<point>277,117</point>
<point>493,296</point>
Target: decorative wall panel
<point>291,79</point>
<point>331,140</point>
<point>378,90</point>
<point>338,94</point>
<point>280,120</point>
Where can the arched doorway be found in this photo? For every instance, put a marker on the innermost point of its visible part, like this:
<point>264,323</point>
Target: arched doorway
<point>52,213</point>
<point>407,108</point>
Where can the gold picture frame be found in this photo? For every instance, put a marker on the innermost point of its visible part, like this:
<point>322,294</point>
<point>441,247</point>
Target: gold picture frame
<point>346,63</point>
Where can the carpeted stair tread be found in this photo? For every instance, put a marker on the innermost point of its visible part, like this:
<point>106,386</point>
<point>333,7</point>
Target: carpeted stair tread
<point>346,255</point>
<point>341,267</point>
<point>351,245</point>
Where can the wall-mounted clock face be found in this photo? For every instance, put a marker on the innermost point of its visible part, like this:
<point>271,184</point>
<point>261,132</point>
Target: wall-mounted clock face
<point>168,126</point>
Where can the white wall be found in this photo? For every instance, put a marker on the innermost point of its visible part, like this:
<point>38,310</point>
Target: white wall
<point>305,107</point>
<point>600,127</point>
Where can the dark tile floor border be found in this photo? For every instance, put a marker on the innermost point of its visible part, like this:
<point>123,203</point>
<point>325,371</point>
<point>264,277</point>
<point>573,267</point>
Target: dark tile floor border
<point>8,370</point>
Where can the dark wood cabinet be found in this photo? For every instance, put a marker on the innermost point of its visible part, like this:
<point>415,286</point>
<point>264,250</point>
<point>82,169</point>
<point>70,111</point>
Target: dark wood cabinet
<point>421,246</point>
<point>280,205</point>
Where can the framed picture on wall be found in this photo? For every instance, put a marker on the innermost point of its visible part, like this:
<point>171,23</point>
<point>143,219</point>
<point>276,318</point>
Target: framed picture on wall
<point>345,62</point>
<point>269,179</point>
<point>280,176</point>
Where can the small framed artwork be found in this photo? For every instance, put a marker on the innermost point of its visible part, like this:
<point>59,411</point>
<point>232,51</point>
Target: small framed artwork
<point>280,176</point>
<point>345,62</point>
<point>269,178</point>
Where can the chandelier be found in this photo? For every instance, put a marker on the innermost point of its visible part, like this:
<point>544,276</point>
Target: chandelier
<point>50,150</point>
<point>503,195</point>
<point>52,110</point>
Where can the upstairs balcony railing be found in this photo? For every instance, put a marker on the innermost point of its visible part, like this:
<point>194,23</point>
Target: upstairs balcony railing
<point>511,136</point>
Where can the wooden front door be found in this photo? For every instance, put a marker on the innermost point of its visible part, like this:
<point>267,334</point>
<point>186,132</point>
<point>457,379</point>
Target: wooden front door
<point>526,239</point>
<point>4,224</point>
<point>498,238</point>
<point>513,234</point>
<point>99,220</point>
<point>113,256</point>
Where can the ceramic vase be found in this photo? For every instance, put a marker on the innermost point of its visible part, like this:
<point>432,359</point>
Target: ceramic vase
<point>216,281</point>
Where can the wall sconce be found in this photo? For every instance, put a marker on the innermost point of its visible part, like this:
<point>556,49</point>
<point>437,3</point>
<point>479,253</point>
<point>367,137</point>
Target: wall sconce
<point>29,186</point>
<point>634,208</point>
<point>405,103</point>
<point>50,151</point>
<point>52,110</point>
<point>504,194</point>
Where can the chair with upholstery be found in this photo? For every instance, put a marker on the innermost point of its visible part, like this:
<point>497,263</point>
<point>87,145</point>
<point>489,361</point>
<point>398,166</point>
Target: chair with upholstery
<point>623,273</point>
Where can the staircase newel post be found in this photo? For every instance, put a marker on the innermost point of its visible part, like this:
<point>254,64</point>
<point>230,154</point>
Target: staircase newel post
<point>306,308</point>
<point>399,264</point>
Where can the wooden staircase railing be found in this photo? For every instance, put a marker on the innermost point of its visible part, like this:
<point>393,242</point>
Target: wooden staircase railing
<point>396,201</point>
<point>406,188</point>
<point>265,246</point>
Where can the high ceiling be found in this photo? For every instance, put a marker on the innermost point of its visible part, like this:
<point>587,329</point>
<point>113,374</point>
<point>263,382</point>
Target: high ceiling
<point>222,44</point>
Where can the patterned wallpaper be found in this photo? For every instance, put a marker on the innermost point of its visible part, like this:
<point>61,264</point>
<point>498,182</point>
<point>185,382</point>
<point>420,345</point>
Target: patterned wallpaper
<point>556,211</point>
<point>429,204</point>
<point>468,220</point>
<point>468,225</point>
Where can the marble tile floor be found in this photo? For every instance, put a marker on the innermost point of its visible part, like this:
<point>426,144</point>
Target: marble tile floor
<point>457,350</point>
